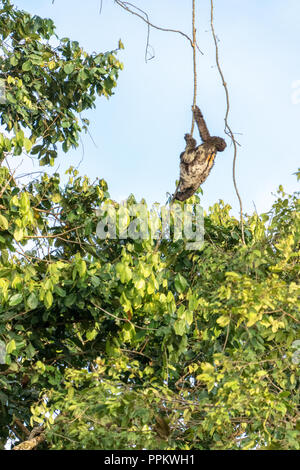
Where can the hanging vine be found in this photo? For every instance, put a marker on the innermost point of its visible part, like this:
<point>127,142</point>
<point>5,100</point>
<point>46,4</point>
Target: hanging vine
<point>194,64</point>
<point>227,129</point>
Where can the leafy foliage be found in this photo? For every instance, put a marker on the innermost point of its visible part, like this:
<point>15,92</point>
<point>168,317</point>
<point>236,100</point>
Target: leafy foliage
<point>47,87</point>
<point>115,344</point>
<point>137,348</point>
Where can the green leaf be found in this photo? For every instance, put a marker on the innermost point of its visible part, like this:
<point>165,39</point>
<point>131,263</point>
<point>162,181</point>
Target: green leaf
<point>223,320</point>
<point>11,346</point>
<point>26,66</point>
<point>65,123</point>
<point>180,327</point>
<point>18,234</point>
<point>68,68</point>
<point>48,300</point>
<point>91,334</point>
<point>140,284</point>
<point>3,222</point>
<point>124,272</point>
<point>13,61</point>
<point>36,149</point>
<point>16,299</point>
<point>180,283</point>
<point>56,198</point>
<point>61,292</point>
<point>81,266</point>
<point>127,332</point>
<point>27,144</point>
<point>252,319</point>
<point>70,300</point>
<point>32,301</point>
<point>189,317</point>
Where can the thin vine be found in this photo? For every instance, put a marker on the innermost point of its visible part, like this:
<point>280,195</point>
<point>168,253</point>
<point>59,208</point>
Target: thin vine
<point>193,45</point>
<point>194,64</point>
<point>227,129</point>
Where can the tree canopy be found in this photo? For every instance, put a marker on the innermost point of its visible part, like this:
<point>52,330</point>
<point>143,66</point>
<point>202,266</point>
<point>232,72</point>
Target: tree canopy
<point>126,343</point>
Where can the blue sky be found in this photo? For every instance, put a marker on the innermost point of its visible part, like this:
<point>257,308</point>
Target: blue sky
<point>139,132</point>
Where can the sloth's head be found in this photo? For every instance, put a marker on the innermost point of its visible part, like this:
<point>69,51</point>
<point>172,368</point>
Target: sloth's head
<point>219,143</point>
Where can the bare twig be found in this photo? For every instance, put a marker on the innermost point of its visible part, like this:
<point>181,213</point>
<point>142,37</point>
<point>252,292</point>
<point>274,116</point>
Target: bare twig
<point>58,235</point>
<point>126,320</point>
<point>148,54</point>
<point>126,5</point>
<point>21,426</point>
<point>228,130</point>
<point>136,352</point>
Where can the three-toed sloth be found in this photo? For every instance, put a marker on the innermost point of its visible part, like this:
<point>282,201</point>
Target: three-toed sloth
<point>196,162</point>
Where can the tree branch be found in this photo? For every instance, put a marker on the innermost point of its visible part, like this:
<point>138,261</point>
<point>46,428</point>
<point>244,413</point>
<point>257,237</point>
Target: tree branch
<point>33,439</point>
